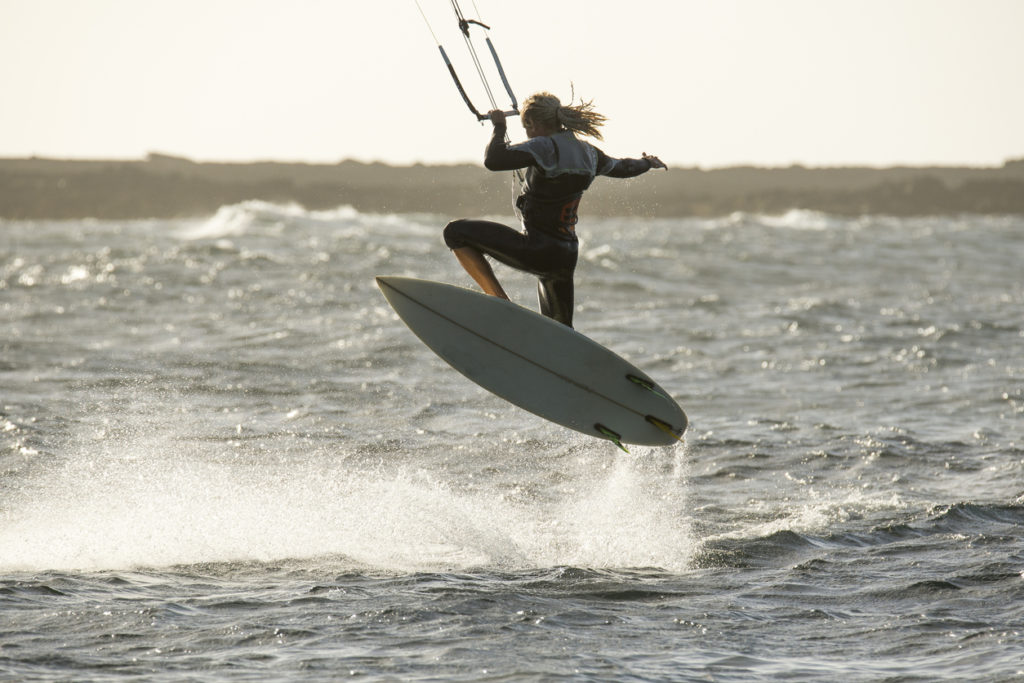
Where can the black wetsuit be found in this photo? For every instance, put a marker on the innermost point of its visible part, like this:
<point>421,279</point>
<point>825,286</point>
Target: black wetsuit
<point>548,246</point>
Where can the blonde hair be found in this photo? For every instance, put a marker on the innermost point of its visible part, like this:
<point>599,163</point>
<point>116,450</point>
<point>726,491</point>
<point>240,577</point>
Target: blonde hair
<point>546,109</point>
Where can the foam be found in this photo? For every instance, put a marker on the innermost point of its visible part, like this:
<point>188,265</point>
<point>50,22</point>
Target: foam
<point>152,500</point>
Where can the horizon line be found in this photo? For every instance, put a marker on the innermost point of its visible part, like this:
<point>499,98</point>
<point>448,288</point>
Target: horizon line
<point>157,156</point>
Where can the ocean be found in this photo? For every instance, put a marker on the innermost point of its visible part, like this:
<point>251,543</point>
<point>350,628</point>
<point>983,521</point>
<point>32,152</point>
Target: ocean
<point>224,458</point>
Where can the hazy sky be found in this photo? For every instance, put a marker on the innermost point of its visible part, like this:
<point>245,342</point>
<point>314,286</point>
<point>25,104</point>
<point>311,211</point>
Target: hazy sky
<point>698,82</point>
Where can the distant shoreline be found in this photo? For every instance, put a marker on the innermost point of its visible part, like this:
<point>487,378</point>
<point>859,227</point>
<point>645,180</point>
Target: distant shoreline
<point>162,186</point>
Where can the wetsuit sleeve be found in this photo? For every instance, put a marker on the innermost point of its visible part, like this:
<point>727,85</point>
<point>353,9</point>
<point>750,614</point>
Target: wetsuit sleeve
<point>500,158</point>
<point>620,168</point>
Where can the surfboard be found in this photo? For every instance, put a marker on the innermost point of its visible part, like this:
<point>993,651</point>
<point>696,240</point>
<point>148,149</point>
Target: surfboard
<point>536,363</point>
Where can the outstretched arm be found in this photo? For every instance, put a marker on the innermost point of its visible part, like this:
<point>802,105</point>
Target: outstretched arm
<point>627,168</point>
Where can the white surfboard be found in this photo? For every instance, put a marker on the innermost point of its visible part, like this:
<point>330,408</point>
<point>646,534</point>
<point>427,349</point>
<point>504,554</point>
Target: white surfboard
<point>536,363</point>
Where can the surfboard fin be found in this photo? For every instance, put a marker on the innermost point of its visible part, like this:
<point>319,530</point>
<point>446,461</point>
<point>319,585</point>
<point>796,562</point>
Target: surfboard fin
<point>666,427</point>
<point>611,436</point>
<point>646,384</point>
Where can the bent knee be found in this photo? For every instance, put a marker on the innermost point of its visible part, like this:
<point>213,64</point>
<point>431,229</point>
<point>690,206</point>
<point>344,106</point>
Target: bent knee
<point>455,233</point>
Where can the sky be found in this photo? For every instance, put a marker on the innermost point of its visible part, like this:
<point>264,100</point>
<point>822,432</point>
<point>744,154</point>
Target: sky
<point>705,83</point>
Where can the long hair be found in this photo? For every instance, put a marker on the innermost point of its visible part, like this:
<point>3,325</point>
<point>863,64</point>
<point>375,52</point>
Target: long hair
<point>546,109</point>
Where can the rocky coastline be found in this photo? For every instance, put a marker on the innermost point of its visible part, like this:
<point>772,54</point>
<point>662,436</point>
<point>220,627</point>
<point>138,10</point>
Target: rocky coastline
<point>162,186</point>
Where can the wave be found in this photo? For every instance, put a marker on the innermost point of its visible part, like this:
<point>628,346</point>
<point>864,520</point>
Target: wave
<point>794,219</point>
<point>821,221</point>
<point>233,220</point>
<point>971,524</point>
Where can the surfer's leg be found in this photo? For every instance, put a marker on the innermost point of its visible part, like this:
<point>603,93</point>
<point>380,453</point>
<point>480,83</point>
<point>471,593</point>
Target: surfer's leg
<point>552,260</point>
<point>480,270</point>
<point>556,295</point>
<point>555,290</point>
<point>470,240</point>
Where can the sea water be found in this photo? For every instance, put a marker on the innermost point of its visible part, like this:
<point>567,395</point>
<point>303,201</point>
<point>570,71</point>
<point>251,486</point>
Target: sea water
<point>225,458</point>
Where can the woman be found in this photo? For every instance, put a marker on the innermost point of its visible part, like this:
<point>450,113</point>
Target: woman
<point>560,167</point>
